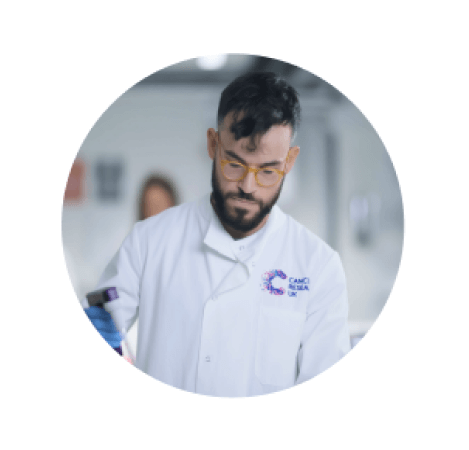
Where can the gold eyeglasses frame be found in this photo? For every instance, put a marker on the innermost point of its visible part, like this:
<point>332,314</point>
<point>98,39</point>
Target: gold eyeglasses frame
<point>248,169</point>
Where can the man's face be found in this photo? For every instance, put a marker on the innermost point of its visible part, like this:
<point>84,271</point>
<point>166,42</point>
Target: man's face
<point>241,211</point>
<point>243,206</point>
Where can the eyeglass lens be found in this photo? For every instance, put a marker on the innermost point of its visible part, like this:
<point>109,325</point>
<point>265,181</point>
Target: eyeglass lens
<point>266,177</point>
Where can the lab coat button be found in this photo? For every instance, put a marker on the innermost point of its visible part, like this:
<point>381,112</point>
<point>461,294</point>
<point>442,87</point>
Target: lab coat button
<point>207,358</point>
<point>242,247</point>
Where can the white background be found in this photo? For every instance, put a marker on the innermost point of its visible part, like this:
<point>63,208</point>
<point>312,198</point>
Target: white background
<point>404,386</point>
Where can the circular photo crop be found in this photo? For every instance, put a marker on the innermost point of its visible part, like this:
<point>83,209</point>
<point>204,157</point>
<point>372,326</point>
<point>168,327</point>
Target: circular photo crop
<point>232,226</point>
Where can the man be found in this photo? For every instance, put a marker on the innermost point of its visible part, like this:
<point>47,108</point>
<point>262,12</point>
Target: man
<point>234,297</point>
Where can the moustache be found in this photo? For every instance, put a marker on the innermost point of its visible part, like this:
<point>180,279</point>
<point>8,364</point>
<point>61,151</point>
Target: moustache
<point>241,196</point>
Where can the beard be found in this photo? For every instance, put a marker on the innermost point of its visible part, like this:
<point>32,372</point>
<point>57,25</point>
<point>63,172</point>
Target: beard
<point>237,220</point>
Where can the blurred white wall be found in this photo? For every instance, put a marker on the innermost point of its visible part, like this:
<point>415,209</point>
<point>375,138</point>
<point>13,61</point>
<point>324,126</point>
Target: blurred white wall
<point>366,176</point>
<point>163,129</point>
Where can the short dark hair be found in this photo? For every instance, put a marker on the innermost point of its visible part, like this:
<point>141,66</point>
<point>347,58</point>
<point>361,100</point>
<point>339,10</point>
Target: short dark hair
<point>156,180</point>
<point>263,99</point>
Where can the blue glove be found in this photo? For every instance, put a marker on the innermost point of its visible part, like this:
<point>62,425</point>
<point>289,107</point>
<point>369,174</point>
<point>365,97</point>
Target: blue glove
<point>103,322</point>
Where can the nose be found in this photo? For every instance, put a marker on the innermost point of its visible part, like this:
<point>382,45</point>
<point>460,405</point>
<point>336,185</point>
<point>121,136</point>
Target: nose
<point>248,184</point>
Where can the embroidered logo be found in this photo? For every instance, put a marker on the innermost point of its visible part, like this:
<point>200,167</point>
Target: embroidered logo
<point>267,282</point>
<point>294,284</point>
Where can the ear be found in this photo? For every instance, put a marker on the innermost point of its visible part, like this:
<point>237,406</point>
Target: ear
<point>294,152</point>
<point>212,142</point>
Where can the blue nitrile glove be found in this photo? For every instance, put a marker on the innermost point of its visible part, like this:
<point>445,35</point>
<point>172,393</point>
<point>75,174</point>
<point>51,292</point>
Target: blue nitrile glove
<point>103,322</point>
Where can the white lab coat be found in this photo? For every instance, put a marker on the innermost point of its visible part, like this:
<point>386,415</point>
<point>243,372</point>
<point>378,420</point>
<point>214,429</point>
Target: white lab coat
<point>209,320</point>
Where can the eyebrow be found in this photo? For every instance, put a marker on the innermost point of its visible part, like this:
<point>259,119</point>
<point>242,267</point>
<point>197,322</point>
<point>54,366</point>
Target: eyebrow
<point>242,161</point>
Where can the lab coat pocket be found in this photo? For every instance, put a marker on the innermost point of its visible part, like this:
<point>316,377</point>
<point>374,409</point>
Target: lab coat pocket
<point>278,342</point>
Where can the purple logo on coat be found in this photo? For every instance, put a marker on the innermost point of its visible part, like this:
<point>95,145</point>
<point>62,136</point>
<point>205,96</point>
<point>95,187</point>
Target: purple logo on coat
<point>267,282</point>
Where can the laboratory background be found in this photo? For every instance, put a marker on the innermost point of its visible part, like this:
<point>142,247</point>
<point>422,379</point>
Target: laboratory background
<point>343,188</point>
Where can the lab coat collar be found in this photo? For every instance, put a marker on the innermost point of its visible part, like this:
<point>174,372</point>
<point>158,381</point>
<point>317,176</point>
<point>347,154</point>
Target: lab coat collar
<point>218,239</point>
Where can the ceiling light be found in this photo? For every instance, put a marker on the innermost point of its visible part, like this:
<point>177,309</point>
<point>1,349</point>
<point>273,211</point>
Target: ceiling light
<point>213,62</point>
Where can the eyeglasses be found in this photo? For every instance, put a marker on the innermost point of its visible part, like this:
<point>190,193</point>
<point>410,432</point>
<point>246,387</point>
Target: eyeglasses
<point>265,177</point>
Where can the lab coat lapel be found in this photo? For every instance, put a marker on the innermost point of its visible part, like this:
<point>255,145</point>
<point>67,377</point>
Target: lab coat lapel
<point>241,272</point>
<point>236,277</point>
<point>218,240</point>
<point>276,220</point>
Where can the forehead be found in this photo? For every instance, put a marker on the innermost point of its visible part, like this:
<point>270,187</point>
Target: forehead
<point>273,144</point>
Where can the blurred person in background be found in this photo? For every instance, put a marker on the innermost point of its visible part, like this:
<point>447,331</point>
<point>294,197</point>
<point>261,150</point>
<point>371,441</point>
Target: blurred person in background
<point>234,298</point>
<point>157,194</point>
